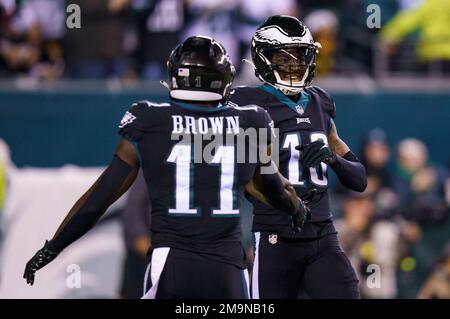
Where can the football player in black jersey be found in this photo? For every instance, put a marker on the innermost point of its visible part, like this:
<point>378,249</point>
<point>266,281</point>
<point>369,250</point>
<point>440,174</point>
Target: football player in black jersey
<point>286,262</point>
<point>196,240</point>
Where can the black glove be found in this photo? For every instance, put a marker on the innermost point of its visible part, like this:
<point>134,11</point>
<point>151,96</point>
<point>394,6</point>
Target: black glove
<point>39,260</point>
<point>314,153</point>
<point>300,216</point>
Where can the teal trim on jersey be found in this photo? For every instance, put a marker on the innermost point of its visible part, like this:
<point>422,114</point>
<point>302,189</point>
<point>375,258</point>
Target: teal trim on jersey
<point>191,107</point>
<point>302,102</point>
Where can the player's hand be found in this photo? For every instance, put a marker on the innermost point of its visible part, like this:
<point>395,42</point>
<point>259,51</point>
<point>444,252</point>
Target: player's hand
<point>314,153</point>
<point>39,260</point>
<point>300,216</point>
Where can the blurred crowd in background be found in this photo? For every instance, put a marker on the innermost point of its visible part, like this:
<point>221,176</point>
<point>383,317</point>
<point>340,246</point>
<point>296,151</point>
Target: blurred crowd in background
<point>131,39</point>
<point>398,223</point>
<point>393,222</point>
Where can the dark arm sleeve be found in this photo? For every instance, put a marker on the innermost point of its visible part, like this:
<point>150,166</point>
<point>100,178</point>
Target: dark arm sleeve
<point>136,216</point>
<point>114,181</point>
<point>276,194</point>
<point>93,204</point>
<point>350,171</point>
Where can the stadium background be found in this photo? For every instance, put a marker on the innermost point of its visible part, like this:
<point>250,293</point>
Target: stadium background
<point>63,92</point>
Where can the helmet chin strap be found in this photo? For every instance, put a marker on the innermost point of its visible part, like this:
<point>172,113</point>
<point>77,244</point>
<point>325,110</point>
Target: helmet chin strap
<point>249,62</point>
<point>286,89</point>
<point>165,84</point>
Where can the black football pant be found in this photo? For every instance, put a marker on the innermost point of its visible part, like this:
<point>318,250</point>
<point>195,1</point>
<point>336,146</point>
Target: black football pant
<point>179,274</point>
<point>317,267</point>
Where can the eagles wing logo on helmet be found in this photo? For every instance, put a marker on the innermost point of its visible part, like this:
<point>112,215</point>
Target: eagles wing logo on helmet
<point>273,34</point>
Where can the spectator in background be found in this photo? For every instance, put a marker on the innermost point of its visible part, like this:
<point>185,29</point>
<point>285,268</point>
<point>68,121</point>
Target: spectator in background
<point>437,285</point>
<point>7,7</point>
<point>216,19</point>
<point>32,42</point>
<point>136,226</point>
<point>375,157</point>
<point>355,38</point>
<point>419,184</point>
<point>324,27</point>
<point>251,14</point>
<point>96,50</point>
<point>7,10</point>
<point>157,24</point>
<point>367,240</point>
<point>432,20</point>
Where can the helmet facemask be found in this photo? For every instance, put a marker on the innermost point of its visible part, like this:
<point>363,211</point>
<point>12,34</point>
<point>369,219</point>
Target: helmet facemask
<point>289,67</point>
<point>284,54</point>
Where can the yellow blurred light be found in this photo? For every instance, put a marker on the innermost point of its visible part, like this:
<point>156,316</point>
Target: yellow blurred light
<point>408,264</point>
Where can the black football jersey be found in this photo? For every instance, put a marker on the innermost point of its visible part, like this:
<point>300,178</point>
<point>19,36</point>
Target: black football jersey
<point>195,198</point>
<point>300,122</point>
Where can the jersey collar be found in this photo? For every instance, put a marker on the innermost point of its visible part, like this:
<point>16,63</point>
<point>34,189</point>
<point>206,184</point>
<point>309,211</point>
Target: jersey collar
<point>302,102</point>
<point>191,107</point>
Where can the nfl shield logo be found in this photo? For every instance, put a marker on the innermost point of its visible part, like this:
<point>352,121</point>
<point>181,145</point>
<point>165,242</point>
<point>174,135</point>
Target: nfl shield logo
<point>273,238</point>
<point>299,109</point>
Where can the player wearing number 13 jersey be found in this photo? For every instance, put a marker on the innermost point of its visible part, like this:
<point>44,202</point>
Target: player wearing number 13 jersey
<point>286,262</point>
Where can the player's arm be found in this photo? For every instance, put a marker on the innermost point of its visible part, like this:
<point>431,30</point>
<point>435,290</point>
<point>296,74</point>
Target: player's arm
<point>273,189</point>
<point>339,157</point>
<point>114,181</point>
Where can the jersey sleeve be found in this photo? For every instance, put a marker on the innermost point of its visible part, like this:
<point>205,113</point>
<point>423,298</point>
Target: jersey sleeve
<point>238,96</point>
<point>130,126</point>
<point>268,124</point>
<point>243,96</point>
<point>328,106</point>
<point>326,101</point>
<point>266,135</point>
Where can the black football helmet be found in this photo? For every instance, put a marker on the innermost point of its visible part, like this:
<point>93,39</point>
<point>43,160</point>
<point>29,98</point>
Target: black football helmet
<point>284,54</point>
<point>200,70</point>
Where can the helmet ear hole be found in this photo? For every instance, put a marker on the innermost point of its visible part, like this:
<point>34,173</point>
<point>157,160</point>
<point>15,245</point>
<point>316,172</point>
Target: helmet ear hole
<point>312,71</point>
